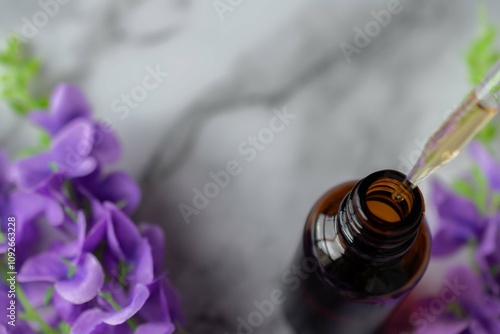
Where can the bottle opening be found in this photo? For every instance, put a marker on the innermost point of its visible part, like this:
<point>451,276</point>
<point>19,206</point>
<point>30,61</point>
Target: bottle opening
<point>381,203</point>
<point>377,202</point>
<point>377,225</point>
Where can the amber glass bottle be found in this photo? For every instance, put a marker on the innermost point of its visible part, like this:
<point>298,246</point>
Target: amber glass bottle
<point>367,250</point>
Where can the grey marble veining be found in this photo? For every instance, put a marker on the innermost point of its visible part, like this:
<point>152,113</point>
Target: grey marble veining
<point>227,78</point>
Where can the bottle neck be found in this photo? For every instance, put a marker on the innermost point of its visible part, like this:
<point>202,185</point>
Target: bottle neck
<point>375,226</point>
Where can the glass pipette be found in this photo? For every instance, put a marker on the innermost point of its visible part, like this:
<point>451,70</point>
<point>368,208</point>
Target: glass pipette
<point>477,109</point>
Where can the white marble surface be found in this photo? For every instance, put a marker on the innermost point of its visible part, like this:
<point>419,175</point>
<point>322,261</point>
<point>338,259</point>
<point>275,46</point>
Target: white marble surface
<point>225,79</point>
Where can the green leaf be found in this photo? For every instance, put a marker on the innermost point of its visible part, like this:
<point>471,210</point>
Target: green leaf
<point>463,188</point>
<point>17,72</point>
<point>488,134</point>
<point>482,54</point>
<point>481,194</point>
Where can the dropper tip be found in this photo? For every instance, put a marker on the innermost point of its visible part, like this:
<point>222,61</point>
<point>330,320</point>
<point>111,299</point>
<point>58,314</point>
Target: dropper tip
<point>399,193</point>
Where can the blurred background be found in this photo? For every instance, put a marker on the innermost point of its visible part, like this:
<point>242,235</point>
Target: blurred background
<point>194,88</point>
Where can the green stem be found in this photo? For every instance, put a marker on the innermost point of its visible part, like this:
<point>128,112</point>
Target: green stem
<point>30,312</point>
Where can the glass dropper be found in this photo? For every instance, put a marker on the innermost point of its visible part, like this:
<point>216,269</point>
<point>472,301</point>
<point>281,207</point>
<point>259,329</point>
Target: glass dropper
<point>476,110</point>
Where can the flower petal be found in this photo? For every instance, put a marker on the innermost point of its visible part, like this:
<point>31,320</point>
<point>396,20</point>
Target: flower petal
<point>163,304</point>
<point>488,164</point>
<point>174,304</point>
<point>72,146</point>
<point>44,267</point>
<point>139,296</point>
<point>95,235</point>
<point>74,248</point>
<point>123,236</point>
<point>68,103</point>
<point>118,187</point>
<point>488,254</point>
<point>155,328</point>
<point>4,167</point>
<point>143,264</point>
<point>467,284</point>
<point>88,321</point>
<point>35,292</point>
<point>33,172</point>
<point>86,282</point>
<point>106,148</point>
<point>446,241</point>
<point>156,238</point>
<point>67,311</point>
<point>455,210</point>
<point>156,308</point>
<point>440,327</point>
<point>44,120</point>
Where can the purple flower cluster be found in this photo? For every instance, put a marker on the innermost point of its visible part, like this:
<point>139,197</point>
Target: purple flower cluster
<point>83,265</point>
<point>471,220</point>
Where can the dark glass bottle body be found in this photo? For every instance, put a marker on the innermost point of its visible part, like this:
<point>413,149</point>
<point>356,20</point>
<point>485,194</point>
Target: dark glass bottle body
<point>363,251</point>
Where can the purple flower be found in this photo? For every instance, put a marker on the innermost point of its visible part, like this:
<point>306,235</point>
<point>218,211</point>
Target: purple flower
<point>163,306</point>
<point>488,254</point>
<point>82,262</point>
<point>28,209</point>
<point>3,186</point>
<point>78,143</point>
<point>4,163</point>
<point>76,281</point>
<point>155,328</point>
<point>69,156</point>
<point>67,103</point>
<point>458,220</point>
<point>128,247</point>
<point>117,187</point>
<point>470,310</point>
<point>489,166</point>
<point>89,320</point>
<point>77,276</point>
<point>156,239</point>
